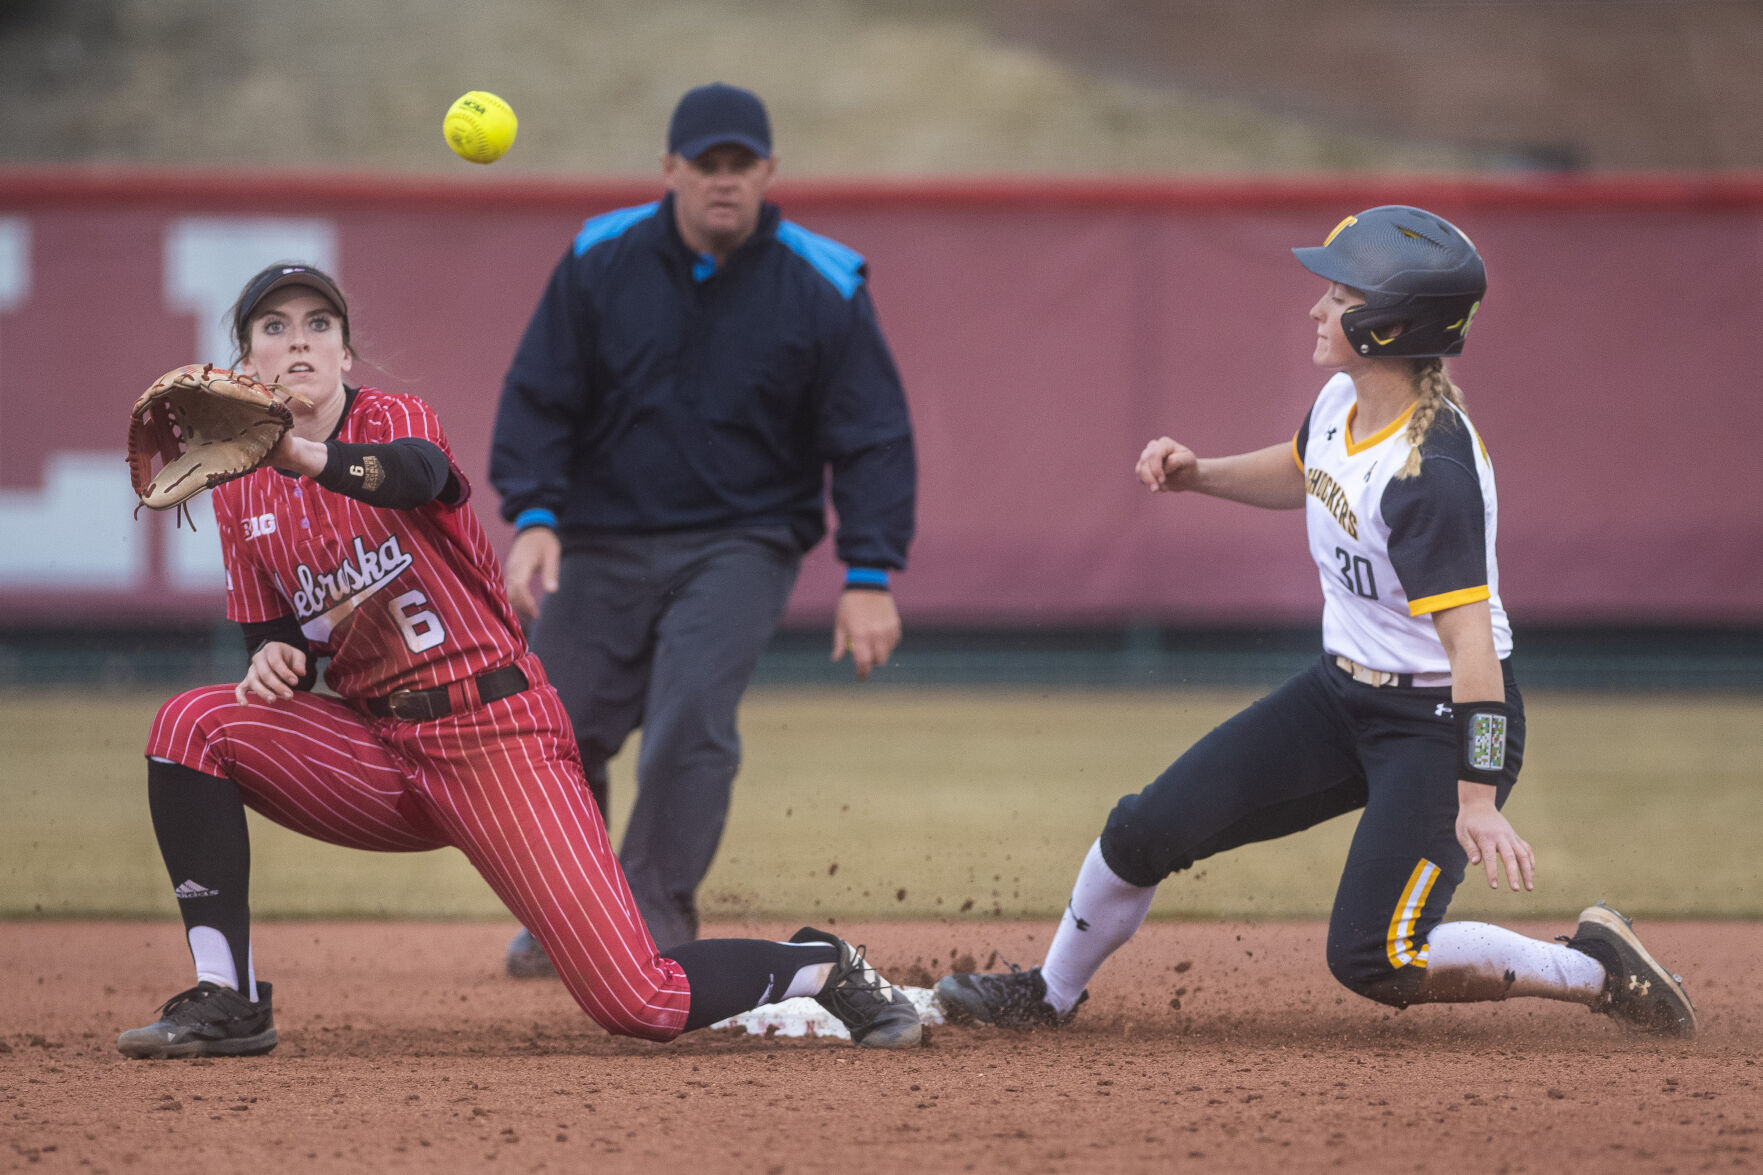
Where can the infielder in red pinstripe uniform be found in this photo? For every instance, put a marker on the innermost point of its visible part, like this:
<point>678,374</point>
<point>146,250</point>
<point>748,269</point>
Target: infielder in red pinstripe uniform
<point>358,547</point>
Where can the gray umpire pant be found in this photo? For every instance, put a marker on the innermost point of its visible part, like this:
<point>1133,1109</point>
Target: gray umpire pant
<point>663,631</point>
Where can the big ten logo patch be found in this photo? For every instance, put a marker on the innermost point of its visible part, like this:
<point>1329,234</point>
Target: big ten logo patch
<point>259,526</point>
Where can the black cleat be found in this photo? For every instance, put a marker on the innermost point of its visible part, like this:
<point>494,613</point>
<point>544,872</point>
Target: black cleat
<point>1008,999</point>
<point>206,1021</point>
<point>878,1014</point>
<point>526,959</point>
<point>1638,991</point>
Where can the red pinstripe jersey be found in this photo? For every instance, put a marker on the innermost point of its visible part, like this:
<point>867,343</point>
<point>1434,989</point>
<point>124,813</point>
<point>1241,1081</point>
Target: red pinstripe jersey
<point>394,598</point>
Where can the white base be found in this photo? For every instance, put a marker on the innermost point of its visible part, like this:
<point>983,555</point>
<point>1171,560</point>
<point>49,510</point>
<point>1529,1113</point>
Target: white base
<point>804,1017</point>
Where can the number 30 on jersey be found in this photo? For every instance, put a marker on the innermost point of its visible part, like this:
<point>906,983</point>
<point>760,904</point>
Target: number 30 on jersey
<point>1355,572</point>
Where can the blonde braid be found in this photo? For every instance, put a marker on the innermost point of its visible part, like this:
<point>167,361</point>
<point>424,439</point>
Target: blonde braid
<point>1435,388</point>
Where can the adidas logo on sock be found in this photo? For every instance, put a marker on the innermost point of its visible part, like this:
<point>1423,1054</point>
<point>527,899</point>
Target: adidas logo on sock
<point>193,889</point>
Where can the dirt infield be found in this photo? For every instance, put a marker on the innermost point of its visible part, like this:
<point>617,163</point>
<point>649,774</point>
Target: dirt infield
<point>1210,1046</point>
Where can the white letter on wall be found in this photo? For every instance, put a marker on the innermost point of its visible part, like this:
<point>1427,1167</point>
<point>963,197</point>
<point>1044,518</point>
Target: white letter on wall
<point>76,531</point>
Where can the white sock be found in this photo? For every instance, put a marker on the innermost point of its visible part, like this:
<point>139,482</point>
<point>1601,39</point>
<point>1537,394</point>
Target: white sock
<point>1103,913</point>
<point>1478,961</point>
<point>808,979</point>
<point>214,958</point>
<point>214,961</point>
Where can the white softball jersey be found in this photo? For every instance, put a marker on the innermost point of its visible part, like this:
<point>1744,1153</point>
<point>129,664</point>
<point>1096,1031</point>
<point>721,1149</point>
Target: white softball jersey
<point>1392,551</point>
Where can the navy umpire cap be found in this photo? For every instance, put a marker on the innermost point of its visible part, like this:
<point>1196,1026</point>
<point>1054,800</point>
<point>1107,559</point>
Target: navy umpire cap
<point>1415,268</point>
<point>715,114</point>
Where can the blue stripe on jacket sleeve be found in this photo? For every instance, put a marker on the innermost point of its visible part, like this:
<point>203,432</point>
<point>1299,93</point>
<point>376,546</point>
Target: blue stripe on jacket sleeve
<point>839,264</point>
<point>611,224</point>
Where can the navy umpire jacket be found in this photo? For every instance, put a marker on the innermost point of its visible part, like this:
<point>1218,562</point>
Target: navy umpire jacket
<point>653,391</point>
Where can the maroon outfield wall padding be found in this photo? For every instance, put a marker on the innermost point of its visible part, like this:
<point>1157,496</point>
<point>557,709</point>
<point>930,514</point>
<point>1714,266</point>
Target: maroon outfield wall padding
<point>1046,329</point>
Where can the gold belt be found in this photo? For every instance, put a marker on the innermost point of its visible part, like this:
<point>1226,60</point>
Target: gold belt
<point>1381,677</point>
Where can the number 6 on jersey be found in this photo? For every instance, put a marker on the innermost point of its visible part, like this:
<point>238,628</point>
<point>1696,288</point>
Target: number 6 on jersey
<point>422,629</point>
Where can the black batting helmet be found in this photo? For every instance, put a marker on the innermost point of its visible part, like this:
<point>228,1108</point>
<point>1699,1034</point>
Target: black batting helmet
<point>1414,268</point>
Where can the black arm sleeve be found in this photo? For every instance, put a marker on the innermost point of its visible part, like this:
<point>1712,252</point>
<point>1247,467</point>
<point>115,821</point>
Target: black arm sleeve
<point>287,631</point>
<point>407,473</point>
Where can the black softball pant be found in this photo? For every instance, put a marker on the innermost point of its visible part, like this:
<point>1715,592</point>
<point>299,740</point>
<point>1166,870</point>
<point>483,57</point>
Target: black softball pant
<point>1320,746</point>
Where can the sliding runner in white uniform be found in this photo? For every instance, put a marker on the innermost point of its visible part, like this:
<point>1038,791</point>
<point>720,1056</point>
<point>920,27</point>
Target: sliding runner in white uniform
<point>1411,716</point>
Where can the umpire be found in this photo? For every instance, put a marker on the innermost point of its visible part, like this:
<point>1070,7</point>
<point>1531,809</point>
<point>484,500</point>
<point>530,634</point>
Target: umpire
<point>693,369</point>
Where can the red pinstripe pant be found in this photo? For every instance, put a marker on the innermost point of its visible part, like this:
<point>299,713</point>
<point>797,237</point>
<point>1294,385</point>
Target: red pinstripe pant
<point>502,783</point>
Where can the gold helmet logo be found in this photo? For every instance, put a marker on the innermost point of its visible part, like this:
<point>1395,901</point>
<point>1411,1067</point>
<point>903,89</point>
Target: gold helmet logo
<point>1351,220</point>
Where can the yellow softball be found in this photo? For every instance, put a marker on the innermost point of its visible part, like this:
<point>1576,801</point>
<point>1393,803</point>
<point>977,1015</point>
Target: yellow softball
<point>480,127</point>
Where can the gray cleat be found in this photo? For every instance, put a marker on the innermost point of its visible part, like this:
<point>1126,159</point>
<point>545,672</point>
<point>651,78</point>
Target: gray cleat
<point>878,1014</point>
<point>1008,999</point>
<point>526,959</point>
<point>206,1021</point>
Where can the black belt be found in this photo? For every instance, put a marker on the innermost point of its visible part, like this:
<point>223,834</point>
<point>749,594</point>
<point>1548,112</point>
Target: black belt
<point>424,705</point>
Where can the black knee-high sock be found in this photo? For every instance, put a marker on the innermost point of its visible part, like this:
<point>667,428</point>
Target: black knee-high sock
<point>734,975</point>
<point>200,822</point>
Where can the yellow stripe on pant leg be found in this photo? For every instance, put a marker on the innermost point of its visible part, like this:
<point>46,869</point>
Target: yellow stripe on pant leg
<point>1399,946</point>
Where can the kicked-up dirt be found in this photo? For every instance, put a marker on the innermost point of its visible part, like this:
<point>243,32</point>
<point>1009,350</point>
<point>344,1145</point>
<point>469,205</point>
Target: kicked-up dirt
<point>1205,1046</point>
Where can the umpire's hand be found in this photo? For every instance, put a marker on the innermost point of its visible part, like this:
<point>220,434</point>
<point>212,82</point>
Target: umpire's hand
<point>868,624</point>
<point>536,552</point>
